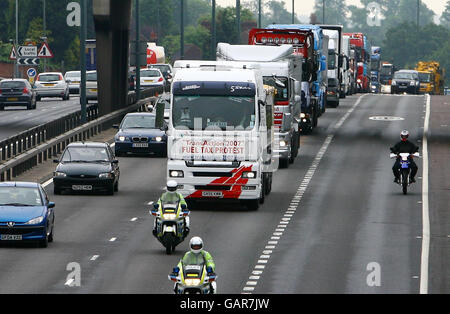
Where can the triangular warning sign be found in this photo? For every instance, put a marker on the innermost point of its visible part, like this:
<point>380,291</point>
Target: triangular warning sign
<point>45,51</point>
<point>13,54</point>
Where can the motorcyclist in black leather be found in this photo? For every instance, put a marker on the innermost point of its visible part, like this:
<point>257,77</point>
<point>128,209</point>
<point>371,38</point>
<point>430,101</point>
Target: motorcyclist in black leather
<point>404,146</point>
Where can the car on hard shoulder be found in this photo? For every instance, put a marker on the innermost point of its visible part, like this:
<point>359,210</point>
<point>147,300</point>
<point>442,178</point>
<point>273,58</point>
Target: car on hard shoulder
<point>73,78</point>
<point>87,167</point>
<point>26,213</point>
<point>405,81</point>
<point>51,84</point>
<point>138,134</point>
<point>17,93</point>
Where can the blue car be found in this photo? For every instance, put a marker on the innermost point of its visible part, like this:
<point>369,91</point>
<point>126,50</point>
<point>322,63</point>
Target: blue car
<point>26,214</point>
<point>138,134</point>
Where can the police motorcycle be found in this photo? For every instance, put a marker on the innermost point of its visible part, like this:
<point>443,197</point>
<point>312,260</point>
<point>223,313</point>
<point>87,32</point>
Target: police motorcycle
<point>171,224</point>
<point>404,168</point>
<point>193,279</point>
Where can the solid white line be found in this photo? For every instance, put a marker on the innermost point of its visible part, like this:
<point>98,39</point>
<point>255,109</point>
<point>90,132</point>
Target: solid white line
<point>425,209</point>
<point>47,183</point>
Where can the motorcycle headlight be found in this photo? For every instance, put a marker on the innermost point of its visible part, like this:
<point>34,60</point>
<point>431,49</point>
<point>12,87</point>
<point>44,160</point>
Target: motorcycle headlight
<point>105,175</point>
<point>192,282</point>
<point>58,174</point>
<point>35,221</point>
<point>169,216</point>
<point>302,115</point>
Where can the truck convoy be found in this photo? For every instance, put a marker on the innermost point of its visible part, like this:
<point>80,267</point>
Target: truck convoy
<point>219,137</point>
<point>362,49</point>
<point>375,70</point>
<point>281,69</point>
<point>431,77</point>
<point>310,42</point>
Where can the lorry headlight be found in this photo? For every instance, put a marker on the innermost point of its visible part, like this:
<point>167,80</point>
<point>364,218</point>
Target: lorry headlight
<point>283,143</point>
<point>176,174</point>
<point>249,174</point>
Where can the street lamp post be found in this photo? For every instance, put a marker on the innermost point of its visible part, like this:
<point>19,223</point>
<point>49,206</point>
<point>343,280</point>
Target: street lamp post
<point>83,60</point>
<point>293,12</point>
<point>138,50</point>
<point>213,29</point>
<point>182,31</point>
<point>45,31</point>
<point>238,21</point>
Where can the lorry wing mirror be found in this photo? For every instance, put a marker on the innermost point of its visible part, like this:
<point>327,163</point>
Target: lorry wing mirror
<point>340,60</point>
<point>297,88</point>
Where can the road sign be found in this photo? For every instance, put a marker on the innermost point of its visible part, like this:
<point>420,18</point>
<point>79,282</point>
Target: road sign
<point>27,51</point>
<point>13,54</point>
<point>45,51</point>
<point>31,73</point>
<point>28,61</point>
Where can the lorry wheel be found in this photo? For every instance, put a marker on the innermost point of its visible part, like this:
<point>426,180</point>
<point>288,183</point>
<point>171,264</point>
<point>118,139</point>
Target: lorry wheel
<point>284,163</point>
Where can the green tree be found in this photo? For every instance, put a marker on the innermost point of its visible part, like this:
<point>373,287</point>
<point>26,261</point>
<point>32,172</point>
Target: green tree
<point>336,12</point>
<point>72,55</point>
<point>445,17</point>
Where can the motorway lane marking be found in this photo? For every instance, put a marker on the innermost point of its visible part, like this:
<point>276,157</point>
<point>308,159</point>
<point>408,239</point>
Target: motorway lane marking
<point>296,199</point>
<point>93,258</point>
<point>112,239</point>
<point>134,219</point>
<point>425,208</point>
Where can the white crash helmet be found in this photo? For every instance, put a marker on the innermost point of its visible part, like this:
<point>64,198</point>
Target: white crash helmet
<point>196,245</point>
<point>172,185</point>
<point>404,135</point>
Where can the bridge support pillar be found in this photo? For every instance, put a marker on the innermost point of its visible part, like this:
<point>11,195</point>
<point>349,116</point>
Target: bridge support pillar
<point>112,25</point>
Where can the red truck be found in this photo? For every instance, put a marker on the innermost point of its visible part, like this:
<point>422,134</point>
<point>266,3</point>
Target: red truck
<point>362,47</point>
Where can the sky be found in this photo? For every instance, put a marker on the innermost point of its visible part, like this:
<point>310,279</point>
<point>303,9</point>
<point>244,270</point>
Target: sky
<point>438,6</point>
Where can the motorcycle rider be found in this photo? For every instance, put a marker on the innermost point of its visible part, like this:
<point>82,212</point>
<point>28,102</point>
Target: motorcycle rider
<point>172,196</point>
<point>196,255</point>
<point>404,146</point>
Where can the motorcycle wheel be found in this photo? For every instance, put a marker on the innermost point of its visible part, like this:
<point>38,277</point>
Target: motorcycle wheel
<point>405,182</point>
<point>169,246</point>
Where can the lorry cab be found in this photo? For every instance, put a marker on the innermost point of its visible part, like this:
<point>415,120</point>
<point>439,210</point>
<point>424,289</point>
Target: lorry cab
<point>219,146</point>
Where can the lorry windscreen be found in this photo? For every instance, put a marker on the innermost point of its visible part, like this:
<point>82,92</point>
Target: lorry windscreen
<point>387,71</point>
<point>425,77</point>
<point>282,93</point>
<point>331,59</point>
<point>210,112</point>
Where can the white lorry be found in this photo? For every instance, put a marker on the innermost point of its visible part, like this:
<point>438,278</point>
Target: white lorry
<point>281,69</point>
<point>219,137</point>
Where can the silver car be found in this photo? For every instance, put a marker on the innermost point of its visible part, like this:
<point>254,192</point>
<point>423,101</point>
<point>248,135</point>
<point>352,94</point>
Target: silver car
<point>73,78</point>
<point>51,84</point>
<point>91,86</point>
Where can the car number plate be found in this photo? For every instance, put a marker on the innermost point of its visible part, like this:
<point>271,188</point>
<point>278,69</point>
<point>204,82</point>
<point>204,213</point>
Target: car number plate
<point>148,81</point>
<point>12,99</point>
<point>11,237</point>
<point>49,84</point>
<point>212,194</point>
<point>94,90</point>
<point>140,145</point>
<point>82,187</point>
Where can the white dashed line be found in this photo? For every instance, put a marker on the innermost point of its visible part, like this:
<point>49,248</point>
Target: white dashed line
<point>112,239</point>
<point>293,205</point>
<point>93,258</point>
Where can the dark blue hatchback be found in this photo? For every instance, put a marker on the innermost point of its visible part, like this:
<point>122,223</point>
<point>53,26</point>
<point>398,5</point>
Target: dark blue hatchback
<point>26,214</point>
<point>138,134</point>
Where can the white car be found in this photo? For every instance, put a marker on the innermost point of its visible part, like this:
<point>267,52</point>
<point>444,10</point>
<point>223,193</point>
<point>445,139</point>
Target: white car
<point>91,86</point>
<point>51,84</point>
<point>73,78</point>
<point>152,78</point>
